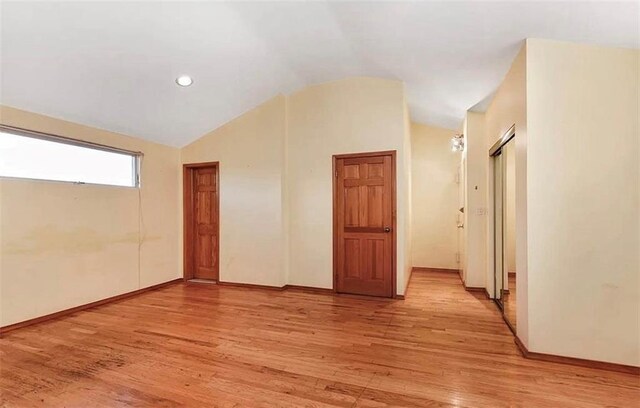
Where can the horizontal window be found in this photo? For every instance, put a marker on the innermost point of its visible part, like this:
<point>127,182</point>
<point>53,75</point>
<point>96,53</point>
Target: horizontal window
<point>46,157</point>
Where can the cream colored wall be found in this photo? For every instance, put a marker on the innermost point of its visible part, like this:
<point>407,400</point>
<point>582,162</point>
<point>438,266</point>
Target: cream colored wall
<point>462,250</point>
<point>275,209</point>
<point>408,179</point>
<point>276,178</point>
<point>509,108</point>
<point>510,206</point>
<point>64,245</point>
<point>347,116</point>
<point>577,198</point>
<point>435,197</point>
<point>251,155</point>
<point>583,201</point>
<point>475,208</point>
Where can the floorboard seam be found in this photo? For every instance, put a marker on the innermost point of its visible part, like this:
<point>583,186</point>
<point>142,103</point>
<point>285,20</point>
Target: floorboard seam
<point>366,386</point>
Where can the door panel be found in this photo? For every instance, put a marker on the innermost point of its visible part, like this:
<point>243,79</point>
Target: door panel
<point>373,258</point>
<point>352,206</point>
<point>364,233</point>
<point>498,228</point>
<point>206,223</point>
<point>201,221</point>
<point>352,258</point>
<point>375,206</point>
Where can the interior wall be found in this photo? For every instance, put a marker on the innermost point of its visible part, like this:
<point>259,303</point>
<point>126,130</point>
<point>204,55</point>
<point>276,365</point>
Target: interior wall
<point>510,207</point>
<point>408,201</point>
<point>435,197</point>
<point>274,161</point>
<point>509,108</point>
<point>276,208</point>
<point>475,207</point>
<point>251,155</point>
<point>348,116</point>
<point>462,266</point>
<point>583,201</point>
<point>63,245</point>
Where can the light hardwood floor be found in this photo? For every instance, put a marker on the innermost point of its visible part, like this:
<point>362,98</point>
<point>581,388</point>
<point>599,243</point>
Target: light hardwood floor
<point>510,303</point>
<point>206,345</point>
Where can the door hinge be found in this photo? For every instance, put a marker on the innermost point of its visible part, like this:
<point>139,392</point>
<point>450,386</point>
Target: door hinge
<point>336,173</point>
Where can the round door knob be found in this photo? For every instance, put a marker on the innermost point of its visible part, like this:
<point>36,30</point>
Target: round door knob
<point>387,229</point>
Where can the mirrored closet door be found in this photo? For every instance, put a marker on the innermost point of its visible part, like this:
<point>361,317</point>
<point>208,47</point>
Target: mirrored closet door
<point>509,231</point>
<point>498,272</point>
<point>504,208</point>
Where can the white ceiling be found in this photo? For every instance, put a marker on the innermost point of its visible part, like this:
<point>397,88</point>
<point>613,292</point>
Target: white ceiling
<point>112,65</point>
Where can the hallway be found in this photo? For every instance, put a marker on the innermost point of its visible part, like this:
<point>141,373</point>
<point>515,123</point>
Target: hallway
<point>200,345</point>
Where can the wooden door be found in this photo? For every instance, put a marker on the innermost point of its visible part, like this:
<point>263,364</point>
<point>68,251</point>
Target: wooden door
<point>364,218</point>
<point>201,221</point>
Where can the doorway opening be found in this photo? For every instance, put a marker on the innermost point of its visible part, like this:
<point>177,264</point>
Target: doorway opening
<point>504,218</point>
<point>364,221</point>
<point>201,222</point>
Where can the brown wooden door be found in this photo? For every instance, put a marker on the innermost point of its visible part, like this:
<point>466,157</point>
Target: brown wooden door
<point>201,220</point>
<point>364,235</point>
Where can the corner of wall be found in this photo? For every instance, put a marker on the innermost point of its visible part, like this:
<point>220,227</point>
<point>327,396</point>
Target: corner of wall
<point>286,227</point>
<point>309,126</point>
<point>408,174</point>
<point>123,233</point>
<point>476,207</point>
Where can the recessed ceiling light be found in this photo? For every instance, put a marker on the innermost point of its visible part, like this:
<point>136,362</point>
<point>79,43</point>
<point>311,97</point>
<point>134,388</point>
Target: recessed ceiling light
<point>184,80</point>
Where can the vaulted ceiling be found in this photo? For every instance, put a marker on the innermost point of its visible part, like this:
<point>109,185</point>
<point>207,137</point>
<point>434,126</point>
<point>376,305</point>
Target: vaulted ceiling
<point>112,65</point>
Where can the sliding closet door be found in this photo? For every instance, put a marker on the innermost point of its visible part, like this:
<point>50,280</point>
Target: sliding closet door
<point>498,219</point>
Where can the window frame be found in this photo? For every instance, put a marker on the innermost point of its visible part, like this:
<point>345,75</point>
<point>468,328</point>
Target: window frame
<point>50,137</point>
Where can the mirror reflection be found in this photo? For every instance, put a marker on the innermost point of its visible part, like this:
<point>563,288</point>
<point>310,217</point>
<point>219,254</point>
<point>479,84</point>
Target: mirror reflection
<point>509,232</point>
<point>504,183</point>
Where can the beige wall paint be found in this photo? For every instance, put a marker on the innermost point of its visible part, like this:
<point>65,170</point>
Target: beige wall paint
<point>435,197</point>
<point>408,179</point>
<point>583,201</point>
<point>476,159</point>
<point>64,245</point>
<point>251,152</point>
<point>577,197</point>
<point>510,206</point>
<point>276,178</point>
<point>462,266</point>
<point>348,116</point>
<point>509,108</point>
<point>85,246</point>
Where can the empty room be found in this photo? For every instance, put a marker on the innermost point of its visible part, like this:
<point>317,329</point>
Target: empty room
<point>319,204</point>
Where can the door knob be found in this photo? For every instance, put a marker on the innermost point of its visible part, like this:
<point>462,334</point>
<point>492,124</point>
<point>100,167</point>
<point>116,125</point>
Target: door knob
<point>387,229</point>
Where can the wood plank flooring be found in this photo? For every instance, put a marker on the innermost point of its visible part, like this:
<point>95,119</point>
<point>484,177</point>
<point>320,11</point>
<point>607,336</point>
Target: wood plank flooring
<point>510,303</point>
<point>206,345</point>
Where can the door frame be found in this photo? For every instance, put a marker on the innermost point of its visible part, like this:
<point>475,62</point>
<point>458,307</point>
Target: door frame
<point>188,229</point>
<point>498,168</point>
<point>491,233</point>
<point>394,211</point>
<point>494,151</point>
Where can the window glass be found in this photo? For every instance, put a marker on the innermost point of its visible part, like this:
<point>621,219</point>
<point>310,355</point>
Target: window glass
<point>32,158</point>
